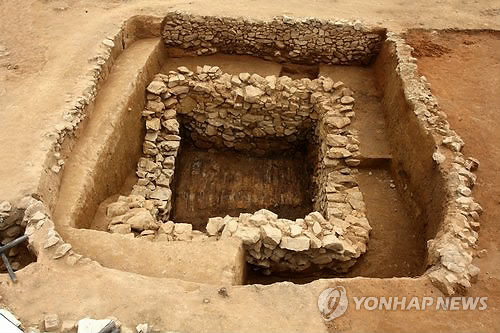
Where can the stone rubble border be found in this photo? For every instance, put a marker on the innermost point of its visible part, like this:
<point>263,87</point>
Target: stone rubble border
<point>451,252</point>
<point>232,108</point>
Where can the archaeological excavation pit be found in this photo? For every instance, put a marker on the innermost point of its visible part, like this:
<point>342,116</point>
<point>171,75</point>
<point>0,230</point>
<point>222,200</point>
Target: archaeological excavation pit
<point>285,151</point>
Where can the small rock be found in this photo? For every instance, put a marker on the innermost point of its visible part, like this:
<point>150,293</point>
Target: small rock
<point>347,100</point>
<point>214,225</point>
<point>183,231</point>
<point>328,84</point>
<point>143,328</point>
<point>183,70</point>
<point>316,228</point>
<point>68,326</point>
<point>333,243</point>
<point>117,208</point>
<point>223,292</point>
<point>161,193</point>
<point>141,219</point>
<point>5,206</point>
<point>301,243</point>
<point>258,219</point>
<point>271,234</point>
<point>38,216</point>
<point>244,77</point>
<point>179,90</point>
<point>295,230</point>
<point>51,322</point>
<point>335,140</point>
<point>314,217</point>
<point>438,157</point>
<point>171,125</point>
<point>472,164</point>
<point>62,250</point>
<point>120,228</point>
<point>108,42</point>
<point>51,241</point>
<point>157,87</point>
<point>167,227</point>
<point>252,94</point>
<point>338,84</point>
<point>482,253</point>
<point>230,227</point>
<point>153,124</point>
<point>338,122</point>
<point>248,235</point>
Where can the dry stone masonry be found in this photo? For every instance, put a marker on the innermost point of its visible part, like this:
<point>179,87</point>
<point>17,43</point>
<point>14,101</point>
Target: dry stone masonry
<point>451,251</point>
<point>308,40</point>
<point>255,114</point>
<point>338,200</point>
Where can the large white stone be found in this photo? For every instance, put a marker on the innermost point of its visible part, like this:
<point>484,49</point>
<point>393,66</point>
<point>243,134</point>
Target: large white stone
<point>270,215</point>
<point>88,325</point>
<point>157,87</point>
<point>301,243</point>
<point>335,140</point>
<point>161,193</point>
<point>258,219</point>
<point>141,219</point>
<point>214,225</point>
<point>117,208</point>
<point>5,206</point>
<point>295,230</point>
<point>183,231</point>
<point>252,94</point>
<point>333,243</point>
<point>271,234</point>
<point>248,235</point>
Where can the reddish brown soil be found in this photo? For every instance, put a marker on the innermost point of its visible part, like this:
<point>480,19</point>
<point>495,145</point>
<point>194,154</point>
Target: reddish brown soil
<point>466,82</point>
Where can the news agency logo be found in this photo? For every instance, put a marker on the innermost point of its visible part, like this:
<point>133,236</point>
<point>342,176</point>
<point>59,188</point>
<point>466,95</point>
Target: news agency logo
<point>333,302</point>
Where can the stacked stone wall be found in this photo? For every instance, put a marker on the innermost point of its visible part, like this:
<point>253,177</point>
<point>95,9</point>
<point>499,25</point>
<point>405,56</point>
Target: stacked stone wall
<point>233,112</point>
<point>286,39</point>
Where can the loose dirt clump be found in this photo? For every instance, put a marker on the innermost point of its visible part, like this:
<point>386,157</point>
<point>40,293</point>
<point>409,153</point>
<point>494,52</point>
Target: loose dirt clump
<point>426,46</point>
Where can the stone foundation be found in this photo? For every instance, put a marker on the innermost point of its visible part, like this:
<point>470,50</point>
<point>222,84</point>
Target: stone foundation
<point>450,252</point>
<point>287,39</point>
<point>257,115</point>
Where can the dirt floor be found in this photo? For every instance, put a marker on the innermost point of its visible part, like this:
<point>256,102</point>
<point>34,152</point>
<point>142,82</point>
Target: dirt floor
<point>216,183</point>
<point>44,50</point>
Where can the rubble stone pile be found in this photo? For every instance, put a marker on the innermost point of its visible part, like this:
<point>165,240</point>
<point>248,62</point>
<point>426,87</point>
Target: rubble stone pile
<point>285,245</point>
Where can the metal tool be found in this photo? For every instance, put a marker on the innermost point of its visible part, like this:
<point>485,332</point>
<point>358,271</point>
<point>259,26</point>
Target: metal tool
<point>110,328</point>
<point>5,259</point>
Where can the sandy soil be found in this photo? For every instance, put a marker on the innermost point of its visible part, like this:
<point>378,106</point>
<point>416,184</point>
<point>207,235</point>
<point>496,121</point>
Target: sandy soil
<point>49,41</point>
<point>44,47</point>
